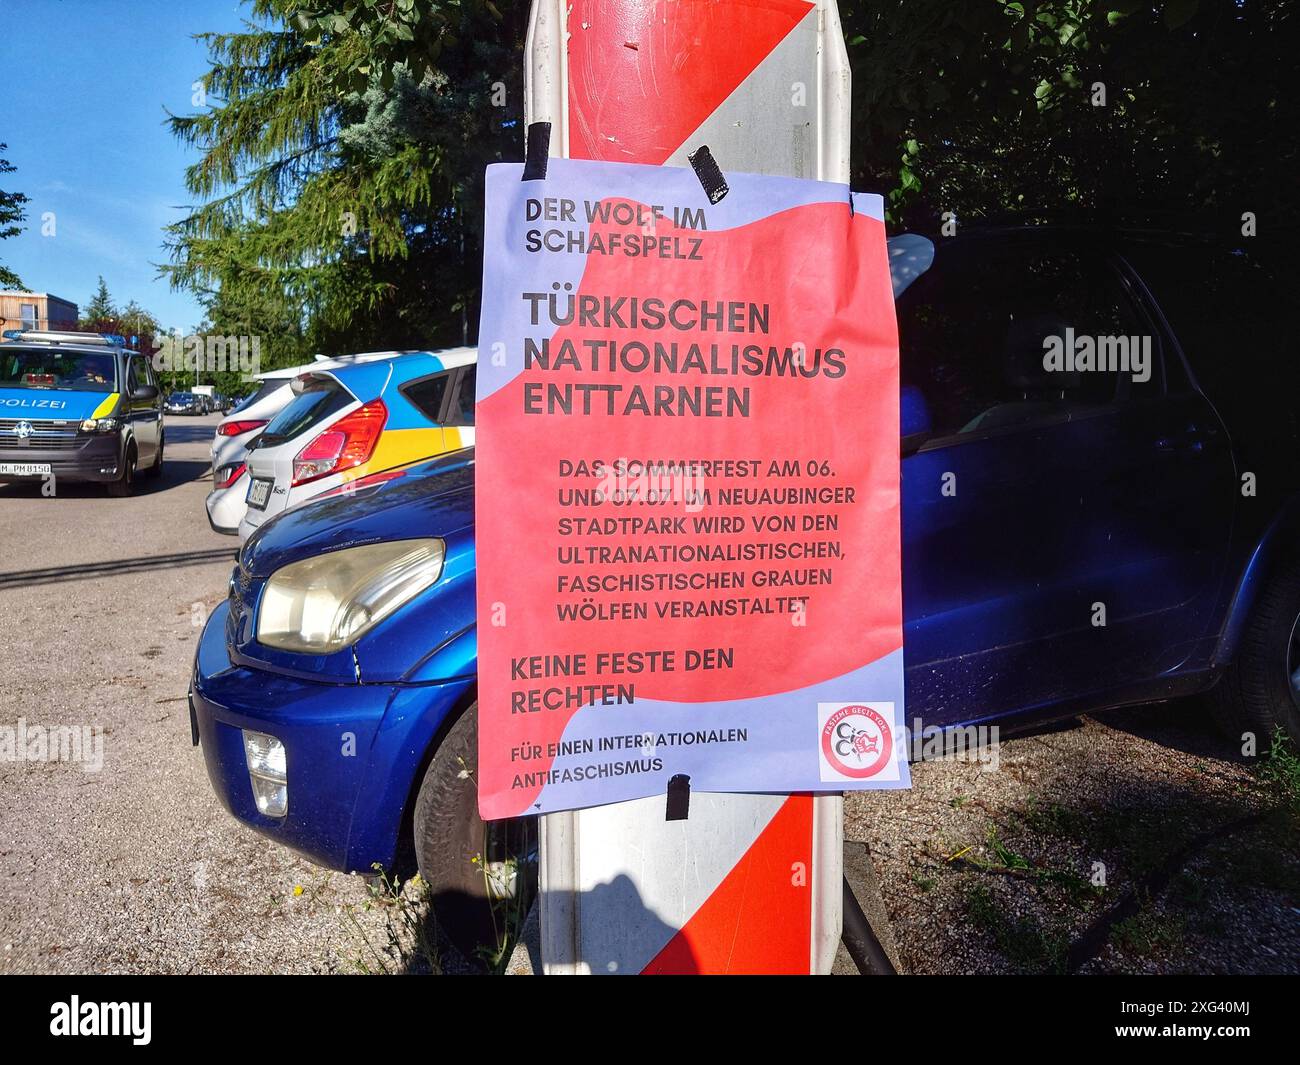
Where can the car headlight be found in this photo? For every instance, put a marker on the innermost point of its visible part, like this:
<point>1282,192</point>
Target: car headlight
<point>322,604</point>
<point>101,425</point>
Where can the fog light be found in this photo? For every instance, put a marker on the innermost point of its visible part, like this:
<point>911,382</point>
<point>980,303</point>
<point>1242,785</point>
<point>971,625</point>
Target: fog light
<point>265,756</point>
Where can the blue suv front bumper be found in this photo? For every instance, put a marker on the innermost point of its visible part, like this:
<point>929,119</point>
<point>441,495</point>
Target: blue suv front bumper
<point>353,751</point>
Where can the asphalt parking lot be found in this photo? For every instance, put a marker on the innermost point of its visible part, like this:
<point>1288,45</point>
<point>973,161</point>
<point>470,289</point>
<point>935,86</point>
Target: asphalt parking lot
<point>134,867</point>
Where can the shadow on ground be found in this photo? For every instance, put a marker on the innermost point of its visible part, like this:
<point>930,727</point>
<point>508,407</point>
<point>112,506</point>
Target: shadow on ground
<point>1137,841</point>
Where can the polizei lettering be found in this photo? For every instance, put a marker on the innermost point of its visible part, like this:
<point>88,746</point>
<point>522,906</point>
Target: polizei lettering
<point>51,404</point>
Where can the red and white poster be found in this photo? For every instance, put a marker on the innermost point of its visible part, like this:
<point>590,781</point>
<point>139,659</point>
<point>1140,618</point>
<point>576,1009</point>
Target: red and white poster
<point>687,475</point>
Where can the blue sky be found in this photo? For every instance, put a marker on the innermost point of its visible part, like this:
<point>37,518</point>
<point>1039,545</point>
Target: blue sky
<point>83,87</point>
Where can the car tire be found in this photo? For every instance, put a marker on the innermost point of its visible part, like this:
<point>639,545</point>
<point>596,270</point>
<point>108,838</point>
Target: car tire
<point>125,484</point>
<point>451,841</point>
<point>155,471</point>
<point>1255,693</point>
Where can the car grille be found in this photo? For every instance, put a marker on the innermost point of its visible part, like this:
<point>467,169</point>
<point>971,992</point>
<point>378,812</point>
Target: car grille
<point>240,582</point>
<point>46,436</point>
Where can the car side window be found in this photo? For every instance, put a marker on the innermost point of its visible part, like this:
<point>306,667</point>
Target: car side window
<point>263,390</point>
<point>143,372</point>
<point>461,411</point>
<point>1225,309</point>
<point>134,375</point>
<point>427,395</point>
<point>1002,335</point>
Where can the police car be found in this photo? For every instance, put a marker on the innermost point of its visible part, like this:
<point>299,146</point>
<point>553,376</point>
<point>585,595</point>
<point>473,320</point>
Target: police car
<point>78,407</point>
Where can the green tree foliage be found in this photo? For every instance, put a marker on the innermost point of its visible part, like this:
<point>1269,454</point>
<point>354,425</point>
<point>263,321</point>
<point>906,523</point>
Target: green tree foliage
<point>340,184</point>
<point>100,307</point>
<point>134,320</point>
<point>415,34</point>
<point>1175,112</point>
<point>102,315</point>
<point>12,214</point>
<point>350,187</point>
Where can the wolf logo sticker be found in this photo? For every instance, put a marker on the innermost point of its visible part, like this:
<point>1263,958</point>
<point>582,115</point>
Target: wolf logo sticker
<point>857,741</point>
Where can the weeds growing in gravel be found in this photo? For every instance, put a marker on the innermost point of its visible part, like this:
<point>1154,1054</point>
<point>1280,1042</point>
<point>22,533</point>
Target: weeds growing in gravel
<point>1079,889</point>
<point>1152,930</point>
<point>1006,857</point>
<point>506,884</point>
<point>1023,941</point>
<point>1282,769</point>
<point>407,946</point>
<point>925,883</point>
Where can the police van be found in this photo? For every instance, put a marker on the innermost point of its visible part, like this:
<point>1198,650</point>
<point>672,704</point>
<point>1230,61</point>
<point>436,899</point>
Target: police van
<point>78,407</point>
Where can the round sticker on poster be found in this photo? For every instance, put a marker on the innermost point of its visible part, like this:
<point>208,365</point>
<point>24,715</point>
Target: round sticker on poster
<point>857,741</point>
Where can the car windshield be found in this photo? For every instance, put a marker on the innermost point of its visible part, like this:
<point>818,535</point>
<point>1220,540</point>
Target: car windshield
<point>182,397</point>
<point>321,398</point>
<point>268,386</point>
<point>77,371</point>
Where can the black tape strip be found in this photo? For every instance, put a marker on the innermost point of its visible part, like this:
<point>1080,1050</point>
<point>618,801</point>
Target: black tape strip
<point>537,152</point>
<point>679,798</point>
<point>706,169</point>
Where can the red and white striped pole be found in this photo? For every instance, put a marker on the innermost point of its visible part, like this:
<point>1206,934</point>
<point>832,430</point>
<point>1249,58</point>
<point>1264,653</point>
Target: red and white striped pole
<point>748,883</point>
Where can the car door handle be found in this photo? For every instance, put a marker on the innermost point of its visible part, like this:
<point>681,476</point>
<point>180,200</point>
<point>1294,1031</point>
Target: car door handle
<point>1191,439</point>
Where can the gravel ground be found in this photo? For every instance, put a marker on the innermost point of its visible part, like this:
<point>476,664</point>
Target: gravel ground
<point>1134,841</point>
<point>136,867</point>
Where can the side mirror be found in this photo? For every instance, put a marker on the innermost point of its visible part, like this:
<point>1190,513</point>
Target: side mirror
<point>914,416</point>
<point>145,392</point>
<point>910,255</point>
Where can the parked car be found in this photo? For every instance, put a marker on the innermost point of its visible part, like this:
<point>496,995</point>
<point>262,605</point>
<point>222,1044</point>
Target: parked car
<point>1168,497</point>
<point>406,707</point>
<point>78,407</point>
<point>183,403</point>
<point>345,422</point>
<point>227,502</point>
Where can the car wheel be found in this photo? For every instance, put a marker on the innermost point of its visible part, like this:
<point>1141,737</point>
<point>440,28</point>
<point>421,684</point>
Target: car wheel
<point>1260,691</point>
<point>156,469</point>
<point>482,875</point>
<point>125,484</point>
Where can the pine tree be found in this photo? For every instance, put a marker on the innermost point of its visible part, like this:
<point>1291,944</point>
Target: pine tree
<point>101,307</point>
<point>343,172</point>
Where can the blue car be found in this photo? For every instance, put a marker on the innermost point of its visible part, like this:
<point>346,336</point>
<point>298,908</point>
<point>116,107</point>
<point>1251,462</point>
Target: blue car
<point>1073,539</point>
<point>340,728</point>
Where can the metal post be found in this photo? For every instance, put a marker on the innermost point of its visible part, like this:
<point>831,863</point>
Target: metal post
<point>765,84</point>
